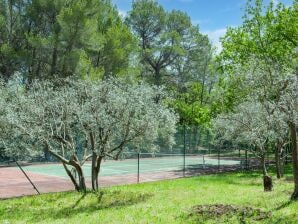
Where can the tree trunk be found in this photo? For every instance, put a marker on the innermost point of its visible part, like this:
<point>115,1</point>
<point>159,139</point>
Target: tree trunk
<point>93,171</point>
<point>72,178</point>
<point>82,182</point>
<point>54,57</point>
<point>81,186</point>
<point>81,177</point>
<point>282,165</point>
<point>278,162</point>
<point>204,80</point>
<point>99,159</point>
<point>96,163</point>
<point>267,180</point>
<point>30,75</point>
<point>157,80</point>
<point>294,159</point>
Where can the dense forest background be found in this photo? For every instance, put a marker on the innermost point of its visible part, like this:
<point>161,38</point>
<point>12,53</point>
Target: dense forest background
<point>88,39</point>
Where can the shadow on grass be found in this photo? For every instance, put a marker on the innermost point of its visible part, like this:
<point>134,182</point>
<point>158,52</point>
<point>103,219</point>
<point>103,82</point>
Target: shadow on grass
<point>283,205</point>
<point>70,204</point>
<point>246,177</point>
<point>79,200</point>
<point>101,201</point>
<point>252,178</point>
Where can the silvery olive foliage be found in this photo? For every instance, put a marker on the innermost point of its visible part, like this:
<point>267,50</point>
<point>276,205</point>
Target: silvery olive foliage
<point>251,124</point>
<point>77,120</point>
<point>13,142</point>
<point>264,114</point>
<point>262,119</point>
<point>288,103</point>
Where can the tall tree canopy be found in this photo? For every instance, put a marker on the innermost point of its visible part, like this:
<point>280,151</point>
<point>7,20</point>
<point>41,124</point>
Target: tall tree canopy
<point>164,38</point>
<point>63,38</point>
<point>174,53</point>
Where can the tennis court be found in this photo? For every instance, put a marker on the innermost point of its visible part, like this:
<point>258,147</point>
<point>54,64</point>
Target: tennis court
<point>130,166</point>
<point>51,177</point>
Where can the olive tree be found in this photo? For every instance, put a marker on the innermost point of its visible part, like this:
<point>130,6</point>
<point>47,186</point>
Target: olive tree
<point>78,120</point>
<point>270,88</point>
<point>269,35</point>
<point>11,139</point>
<point>44,118</point>
<point>276,89</point>
<point>288,105</point>
<point>114,116</point>
<point>252,125</point>
<point>3,123</point>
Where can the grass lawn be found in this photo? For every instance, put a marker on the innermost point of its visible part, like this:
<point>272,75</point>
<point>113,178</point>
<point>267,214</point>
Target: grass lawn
<point>161,202</point>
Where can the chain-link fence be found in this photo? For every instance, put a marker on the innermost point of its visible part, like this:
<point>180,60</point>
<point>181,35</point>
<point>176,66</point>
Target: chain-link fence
<point>195,153</point>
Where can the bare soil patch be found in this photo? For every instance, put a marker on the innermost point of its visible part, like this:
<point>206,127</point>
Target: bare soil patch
<point>219,210</point>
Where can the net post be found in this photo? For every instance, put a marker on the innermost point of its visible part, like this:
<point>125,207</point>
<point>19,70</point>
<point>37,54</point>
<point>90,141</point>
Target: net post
<point>209,147</point>
<point>138,168</point>
<point>286,157</point>
<point>184,164</point>
<point>218,157</point>
<point>240,159</point>
<point>27,177</point>
<point>184,149</point>
<point>246,160</point>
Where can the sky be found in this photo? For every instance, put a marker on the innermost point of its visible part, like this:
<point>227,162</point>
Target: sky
<point>212,16</point>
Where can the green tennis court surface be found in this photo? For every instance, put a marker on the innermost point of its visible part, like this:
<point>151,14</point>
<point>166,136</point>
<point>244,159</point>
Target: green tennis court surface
<point>130,166</point>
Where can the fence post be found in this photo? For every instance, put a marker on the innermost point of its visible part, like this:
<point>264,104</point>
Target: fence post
<point>218,157</point>
<point>138,167</point>
<point>240,160</point>
<point>246,160</point>
<point>209,152</point>
<point>184,149</point>
<point>184,166</point>
<point>286,157</point>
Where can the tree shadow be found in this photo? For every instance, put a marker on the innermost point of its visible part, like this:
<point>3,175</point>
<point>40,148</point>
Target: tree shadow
<point>62,205</point>
<point>232,175</point>
<point>79,200</point>
<point>283,205</point>
<point>251,177</point>
<point>104,201</point>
